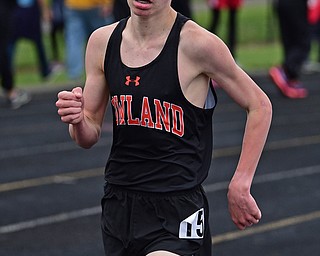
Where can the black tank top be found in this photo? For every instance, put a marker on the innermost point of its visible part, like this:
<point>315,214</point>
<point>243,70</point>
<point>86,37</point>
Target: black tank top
<point>161,142</point>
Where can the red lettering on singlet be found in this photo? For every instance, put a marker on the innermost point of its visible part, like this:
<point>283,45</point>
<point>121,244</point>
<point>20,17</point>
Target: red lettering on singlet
<point>177,119</point>
<point>146,118</point>
<point>131,121</point>
<point>168,117</point>
<point>119,107</point>
<point>162,114</point>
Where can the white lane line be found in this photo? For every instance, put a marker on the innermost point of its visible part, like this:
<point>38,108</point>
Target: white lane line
<point>48,148</point>
<point>209,189</point>
<point>270,146</point>
<point>91,173</point>
<point>66,178</point>
<point>49,220</point>
<point>221,238</point>
<point>104,142</point>
<point>264,178</point>
<point>283,223</point>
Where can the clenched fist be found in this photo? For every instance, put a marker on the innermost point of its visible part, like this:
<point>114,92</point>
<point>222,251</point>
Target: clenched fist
<point>243,209</point>
<point>70,106</point>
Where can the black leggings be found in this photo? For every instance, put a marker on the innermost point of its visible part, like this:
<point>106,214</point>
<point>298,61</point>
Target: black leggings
<point>6,73</point>
<point>232,27</point>
<point>295,34</point>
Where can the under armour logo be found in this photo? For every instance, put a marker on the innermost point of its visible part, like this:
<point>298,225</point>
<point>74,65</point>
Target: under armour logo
<point>135,81</point>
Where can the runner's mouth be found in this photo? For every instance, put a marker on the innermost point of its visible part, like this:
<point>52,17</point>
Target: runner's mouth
<point>144,1</point>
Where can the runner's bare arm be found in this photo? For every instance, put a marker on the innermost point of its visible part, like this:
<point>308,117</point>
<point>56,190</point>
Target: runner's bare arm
<point>84,111</point>
<point>215,60</point>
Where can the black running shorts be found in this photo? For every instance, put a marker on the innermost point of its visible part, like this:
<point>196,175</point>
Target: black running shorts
<point>137,223</point>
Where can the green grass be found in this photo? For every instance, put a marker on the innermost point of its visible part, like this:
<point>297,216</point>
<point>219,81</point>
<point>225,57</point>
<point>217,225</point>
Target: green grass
<point>26,64</point>
<point>258,47</point>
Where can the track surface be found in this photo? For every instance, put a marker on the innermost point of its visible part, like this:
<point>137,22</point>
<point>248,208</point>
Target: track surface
<point>50,189</point>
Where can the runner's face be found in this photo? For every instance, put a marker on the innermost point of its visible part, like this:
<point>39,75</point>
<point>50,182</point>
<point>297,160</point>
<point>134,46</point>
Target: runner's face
<point>147,7</point>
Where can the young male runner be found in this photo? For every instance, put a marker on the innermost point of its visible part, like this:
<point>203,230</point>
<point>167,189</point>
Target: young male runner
<point>154,68</point>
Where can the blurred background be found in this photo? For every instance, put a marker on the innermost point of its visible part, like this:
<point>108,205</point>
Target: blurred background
<point>258,46</point>
<point>50,189</point>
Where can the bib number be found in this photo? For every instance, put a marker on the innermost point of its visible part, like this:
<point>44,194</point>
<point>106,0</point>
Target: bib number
<point>193,226</point>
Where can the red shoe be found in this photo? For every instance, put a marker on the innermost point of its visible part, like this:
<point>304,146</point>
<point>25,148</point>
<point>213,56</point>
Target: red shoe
<point>290,89</point>
<point>300,92</point>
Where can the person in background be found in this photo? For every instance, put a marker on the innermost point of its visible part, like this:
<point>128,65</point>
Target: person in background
<point>27,24</point>
<point>16,98</point>
<point>56,27</point>
<point>233,7</point>
<point>310,65</point>
<point>157,82</point>
<point>82,17</point>
<point>296,42</point>
<point>182,6</point>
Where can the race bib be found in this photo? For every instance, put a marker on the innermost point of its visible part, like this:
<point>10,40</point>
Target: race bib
<point>193,226</point>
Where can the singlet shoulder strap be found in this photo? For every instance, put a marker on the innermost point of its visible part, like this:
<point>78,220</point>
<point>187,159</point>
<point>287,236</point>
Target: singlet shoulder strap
<point>179,23</point>
<point>182,19</point>
<point>113,46</point>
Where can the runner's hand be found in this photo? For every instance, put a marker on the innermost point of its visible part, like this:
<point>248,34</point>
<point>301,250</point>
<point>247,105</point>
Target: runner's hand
<point>70,106</point>
<point>243,208</point>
